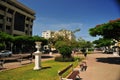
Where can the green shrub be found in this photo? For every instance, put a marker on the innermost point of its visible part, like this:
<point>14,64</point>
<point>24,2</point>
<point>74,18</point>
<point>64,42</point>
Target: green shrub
<point>90,49</point>
<point>65,59</point>
<point>59,44</point>
<point>65,51</point>
<point>70,59</point>
<point>89,52</point>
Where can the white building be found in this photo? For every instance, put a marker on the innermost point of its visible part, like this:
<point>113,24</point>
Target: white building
<point>47,34</point>
<point>65,33</point>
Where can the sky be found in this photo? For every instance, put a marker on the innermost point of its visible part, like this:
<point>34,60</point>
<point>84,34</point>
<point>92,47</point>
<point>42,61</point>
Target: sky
<point>71,15</point>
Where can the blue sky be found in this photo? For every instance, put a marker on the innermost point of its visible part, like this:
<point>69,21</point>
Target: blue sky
<point>71,15</point>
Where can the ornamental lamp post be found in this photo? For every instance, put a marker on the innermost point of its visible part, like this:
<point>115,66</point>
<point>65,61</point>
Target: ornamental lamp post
<point>37,56</point>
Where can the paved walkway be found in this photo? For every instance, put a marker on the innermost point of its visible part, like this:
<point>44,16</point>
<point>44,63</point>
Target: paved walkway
<point>102,67</point>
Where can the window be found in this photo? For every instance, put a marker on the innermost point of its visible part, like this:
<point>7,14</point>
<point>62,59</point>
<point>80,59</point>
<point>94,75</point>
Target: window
<point>31,26</point>
<point>32,20</point>
<point>8,27</point>
<point>26,25</point>
<point>1,26</point>
<point>19,22</point>
<point>10,11</point>
<point>9,19</point>
<point>28,18</point>
<point>1,16</point>
<point>2,8</point>
<point>26,32</point>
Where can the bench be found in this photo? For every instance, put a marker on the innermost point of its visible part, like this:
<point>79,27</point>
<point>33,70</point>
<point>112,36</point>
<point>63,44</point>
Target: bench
<point>71,76</point>
<point>83,66</point>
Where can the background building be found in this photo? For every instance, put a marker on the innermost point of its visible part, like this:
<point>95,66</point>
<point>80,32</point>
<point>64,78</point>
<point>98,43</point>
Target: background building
<point>47,34</point>
<point>65,33</point>
<point>16,18</point>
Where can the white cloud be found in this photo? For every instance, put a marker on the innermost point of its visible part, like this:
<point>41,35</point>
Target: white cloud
<point>40,26</point>
<point>50,22</point>
<point>70,26</point>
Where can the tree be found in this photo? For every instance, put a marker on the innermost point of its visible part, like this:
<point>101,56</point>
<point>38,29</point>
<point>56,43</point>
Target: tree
<point>5,40</point>
<point>64,43</point>
<point>77,30</point>
<point>41,39</point>
<point>27,43</point>
<point>20,43</point>
<point>110,30</point>
<point>63,35</point>
<point>65,50</point>
<point>102,42</point>
<point>84,44</point>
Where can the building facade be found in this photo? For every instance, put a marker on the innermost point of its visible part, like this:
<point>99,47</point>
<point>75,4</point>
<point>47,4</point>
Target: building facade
<point>16,18</point>
<point>65,33</point>
<point>47,34</point>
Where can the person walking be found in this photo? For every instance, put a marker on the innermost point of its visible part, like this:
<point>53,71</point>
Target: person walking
<point>84,52</point>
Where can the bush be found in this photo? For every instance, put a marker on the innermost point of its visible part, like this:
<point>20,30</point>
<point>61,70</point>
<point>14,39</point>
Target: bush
<point>71,59</point>
<point>90,49</point>
<point>59,44</point>
<point>89,52</point>
<point>65,59</point>
<point>65,51</point>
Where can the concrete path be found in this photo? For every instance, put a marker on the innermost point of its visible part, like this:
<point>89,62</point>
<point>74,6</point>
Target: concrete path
<point>101,67</point>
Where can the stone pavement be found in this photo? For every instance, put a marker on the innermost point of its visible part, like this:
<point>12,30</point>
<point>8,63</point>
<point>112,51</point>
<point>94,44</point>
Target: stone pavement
<point>101,67</point>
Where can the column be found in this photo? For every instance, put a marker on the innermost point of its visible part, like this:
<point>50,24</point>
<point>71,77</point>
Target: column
<point>13,20</point>
<point>5,20</point>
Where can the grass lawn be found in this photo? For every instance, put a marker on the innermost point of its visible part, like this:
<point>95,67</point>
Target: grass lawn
<point>48,72</point>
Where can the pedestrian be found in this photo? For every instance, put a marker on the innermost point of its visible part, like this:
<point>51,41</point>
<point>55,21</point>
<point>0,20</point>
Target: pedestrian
<point>84,52</point>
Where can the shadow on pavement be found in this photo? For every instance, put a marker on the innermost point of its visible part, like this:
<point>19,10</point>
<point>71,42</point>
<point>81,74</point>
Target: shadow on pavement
<point>2,68</point>
<point>47,56</point>
<point>78,79</point>
<point>44,56</point>
<point>47,67</point>
<point>110,60</point>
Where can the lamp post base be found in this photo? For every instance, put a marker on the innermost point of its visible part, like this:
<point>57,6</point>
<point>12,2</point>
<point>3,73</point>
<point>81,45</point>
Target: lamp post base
<point>37,68</point>
<point>37,61</point>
